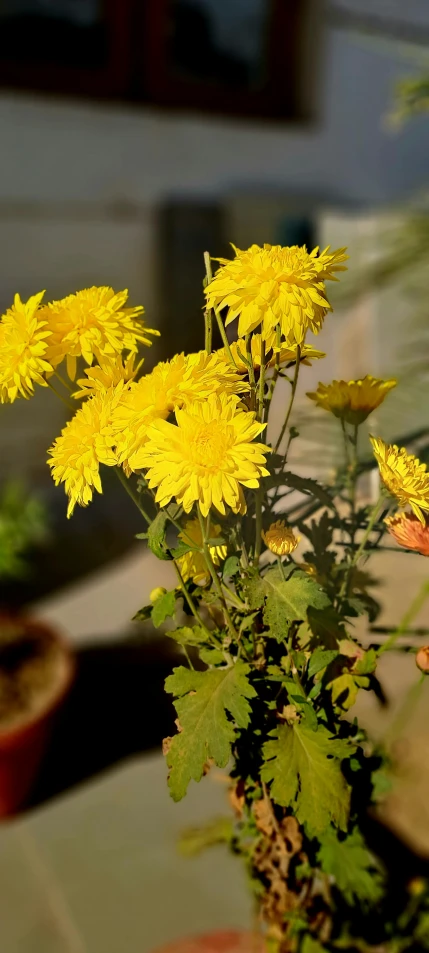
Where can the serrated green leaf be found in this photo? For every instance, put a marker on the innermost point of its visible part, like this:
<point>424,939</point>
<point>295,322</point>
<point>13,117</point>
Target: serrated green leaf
<point>231,567</point>
<point>255,591</point>
<point>307,486</point>
<point>187,635</point>
<point>156,536</point>
<point>304,770</point>
<point>211,656</point>
<point>289,600</point>
<point>345,689</point>
<point>320,659</point>
<point>326,626</point>
<point>352,866</point>
<point>382,784</point>
<point>144,613</point>
<point>367,664</point>
<point>163,607</point>
<point>210,706</point>
<point>181,549</point>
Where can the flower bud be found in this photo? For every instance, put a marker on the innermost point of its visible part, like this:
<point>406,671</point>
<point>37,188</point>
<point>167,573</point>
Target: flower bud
<point>157,593</point>
<point>280,538</point>
<point>422,659</point>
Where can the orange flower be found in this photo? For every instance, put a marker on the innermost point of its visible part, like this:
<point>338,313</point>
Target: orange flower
<point>408,531</point>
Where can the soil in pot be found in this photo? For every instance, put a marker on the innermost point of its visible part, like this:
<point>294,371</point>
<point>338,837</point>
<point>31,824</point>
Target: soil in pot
<point>33,670</point>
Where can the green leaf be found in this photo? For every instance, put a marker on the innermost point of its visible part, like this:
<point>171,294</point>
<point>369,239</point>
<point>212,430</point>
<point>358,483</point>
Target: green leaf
<point>289,600</point>
<point>304,769</point>
<point>255,591</point>
<point>382,783</point>
<point>231,567</point>
<point>192,841</point>
<point>212,656</point>
<point>144,613</point>
<point>368,664</point>
<point>320,659</point>
<point>181,549</point>
<point>345,689</point>
<point>204,701</point>
<point>326,626</point>
<point>156,536</point>
<point>352,866</point>
<point>310,945</point>
<point>164,607</point>
<point>187,635</point>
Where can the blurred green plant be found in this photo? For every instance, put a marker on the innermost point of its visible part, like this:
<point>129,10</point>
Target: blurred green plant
<point>23,524</point>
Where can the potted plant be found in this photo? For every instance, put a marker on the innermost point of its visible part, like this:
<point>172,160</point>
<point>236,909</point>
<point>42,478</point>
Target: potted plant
<point>35,664</point>
<point>279,665</point>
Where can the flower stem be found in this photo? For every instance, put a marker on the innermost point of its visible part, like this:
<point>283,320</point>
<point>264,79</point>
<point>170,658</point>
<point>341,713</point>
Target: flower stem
<point>208,316</point>
<point>375,512</point>
<point>261,385</point>
<point>224,338</point>
<point>132,494</point>
<point>275,376</point>
<point>73,407</point>
<point>188,598</point>
<point>408,617</point>
<point>214,575</point>
<point>292,398</point>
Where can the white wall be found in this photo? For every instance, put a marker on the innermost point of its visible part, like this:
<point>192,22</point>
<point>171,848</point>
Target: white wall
<point>80,182</point>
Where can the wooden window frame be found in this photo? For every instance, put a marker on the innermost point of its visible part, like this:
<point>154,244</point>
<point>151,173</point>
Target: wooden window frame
<point>111,80</point>
<point>279,99</point>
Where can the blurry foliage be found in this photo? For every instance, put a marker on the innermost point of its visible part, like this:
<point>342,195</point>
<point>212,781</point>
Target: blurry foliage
<point>23,524</point>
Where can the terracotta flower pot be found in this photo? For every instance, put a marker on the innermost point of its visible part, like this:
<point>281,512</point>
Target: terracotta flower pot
<point>22,745</point>
<point>225,941</point>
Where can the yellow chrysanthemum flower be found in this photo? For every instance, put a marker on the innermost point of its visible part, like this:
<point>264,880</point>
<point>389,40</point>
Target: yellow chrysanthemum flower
<point>108,373</point>
<point>287,355</point>
<point>86,441</point>
<point>280,538</point>
<point>23,349</point>
<point>403,475</point>
<point>93,323</point>
<point>207,458</point>
<point>170,385</point>
<point>274,285</point>
<point>192,565</point>
<point>353,401</point>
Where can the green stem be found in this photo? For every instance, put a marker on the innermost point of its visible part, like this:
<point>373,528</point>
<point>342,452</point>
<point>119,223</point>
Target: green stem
<point>258,524</point>
<point>73,407</point>
<point>132,493</point>
<point>292,398</point>
<point>224,338</point>
<point>375,512</point>
<point>214,575</point>
<point>275,376</point>
<point>65,383</point>
<point>188,598</point>
<point>280,565</point>
<point>261,386</point>
<point>208,317</point>
<point>413,610</point>
<point>399,722</point>
<point>251,371</point>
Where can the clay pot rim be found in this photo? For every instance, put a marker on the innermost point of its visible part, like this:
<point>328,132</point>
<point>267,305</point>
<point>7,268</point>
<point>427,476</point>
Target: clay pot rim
<point>10,736</point>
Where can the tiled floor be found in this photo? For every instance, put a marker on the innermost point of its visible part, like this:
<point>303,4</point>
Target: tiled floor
<point>99,871</point>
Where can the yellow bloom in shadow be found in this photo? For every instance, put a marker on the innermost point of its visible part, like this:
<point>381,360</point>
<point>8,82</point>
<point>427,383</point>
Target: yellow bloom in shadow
<point>86,441</point>
<point>207,458</point>
<point>23,349</point>
<point>403,475</point>
<point>272,285</point>
<point>286,355</point>
<point>353,401</point>
<point>192,565</point>
<point>280,538</point>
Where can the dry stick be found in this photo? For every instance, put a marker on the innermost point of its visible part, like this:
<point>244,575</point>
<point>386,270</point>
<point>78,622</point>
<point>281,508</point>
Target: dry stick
<point>208,317</point>
<point>213,573</point>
